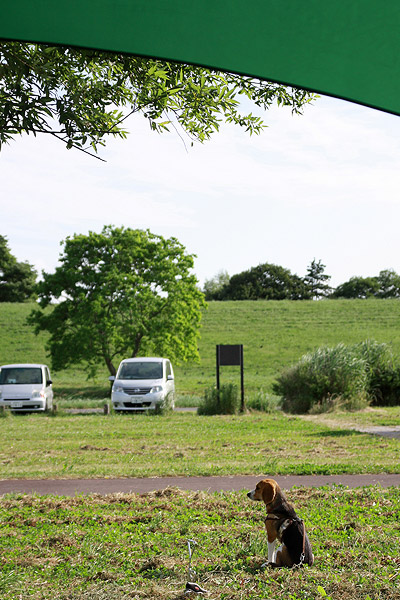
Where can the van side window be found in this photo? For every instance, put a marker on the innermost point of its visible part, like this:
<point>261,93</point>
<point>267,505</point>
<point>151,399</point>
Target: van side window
<point>168,369</point>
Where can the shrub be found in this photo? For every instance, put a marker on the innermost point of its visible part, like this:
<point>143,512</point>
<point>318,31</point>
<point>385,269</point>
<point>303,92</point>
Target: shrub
<point>332,403</point>
<point>321,375</point>
<point>264,402</point>
<point>224,401</point>
<point>383,373</point>
<point>345,377</point>
<point>385,388</point>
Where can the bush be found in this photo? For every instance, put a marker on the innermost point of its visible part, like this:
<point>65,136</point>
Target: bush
<point>332,403</point>
<point>224,401</point>
<point>383,373</point>
<point>264,402</point>
<point>326,373</point>
<point>345,377</point>
<point>385,387</point>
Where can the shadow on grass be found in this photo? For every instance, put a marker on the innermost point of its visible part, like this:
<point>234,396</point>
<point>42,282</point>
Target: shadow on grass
<point>336,433</point>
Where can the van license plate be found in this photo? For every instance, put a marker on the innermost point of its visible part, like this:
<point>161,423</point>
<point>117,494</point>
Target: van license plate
<point>16,404</point>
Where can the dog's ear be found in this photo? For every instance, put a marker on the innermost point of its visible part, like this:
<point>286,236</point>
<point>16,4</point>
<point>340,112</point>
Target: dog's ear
<point>269,491</point>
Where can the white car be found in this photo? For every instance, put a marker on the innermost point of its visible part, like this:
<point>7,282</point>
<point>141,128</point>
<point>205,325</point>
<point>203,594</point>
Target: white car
<point>26,387</point>
<point>143,384</point>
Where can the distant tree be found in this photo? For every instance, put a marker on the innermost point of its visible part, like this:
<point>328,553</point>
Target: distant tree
<point>385,285</point>
<point>17,279</point>
<point>213,287</point>
<point>265,282</point>
<point>316,280</point>
<point>389,284</point>
<point>120,293</point>
<point>357,287</point>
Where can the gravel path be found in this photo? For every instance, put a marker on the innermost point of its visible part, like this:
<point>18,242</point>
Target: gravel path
<point>383,430</point>
<point>390,431</point>
<point>71,487</point>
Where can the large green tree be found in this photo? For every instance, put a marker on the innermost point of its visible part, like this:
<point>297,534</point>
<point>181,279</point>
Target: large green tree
<point>119,293</point>
<point>17,279</point>
<point>83,96</point>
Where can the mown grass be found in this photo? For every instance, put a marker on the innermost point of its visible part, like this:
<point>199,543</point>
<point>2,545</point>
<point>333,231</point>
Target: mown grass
<point>274,335</point>
<point>277,333</point>
<point>131,546</point>
<point>94,445</point>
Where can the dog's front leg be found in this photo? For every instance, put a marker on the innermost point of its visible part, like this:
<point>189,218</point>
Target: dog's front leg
<point>272,539</point>
<point>271,552</point>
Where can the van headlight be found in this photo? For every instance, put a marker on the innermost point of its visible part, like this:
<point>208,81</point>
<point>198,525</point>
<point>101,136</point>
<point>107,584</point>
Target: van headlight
<point>118,389</point>
<point>38,394</point>
<point>156,389</point>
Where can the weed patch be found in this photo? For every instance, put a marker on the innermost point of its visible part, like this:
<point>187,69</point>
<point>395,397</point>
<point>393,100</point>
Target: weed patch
<point>223,401</point>
<point>130,546</point>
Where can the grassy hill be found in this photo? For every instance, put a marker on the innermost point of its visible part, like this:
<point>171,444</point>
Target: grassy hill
<point>274,334</point>
<point>277,333</point>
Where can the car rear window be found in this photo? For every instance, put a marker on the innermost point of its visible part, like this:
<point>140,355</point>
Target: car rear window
<point>20,375</point>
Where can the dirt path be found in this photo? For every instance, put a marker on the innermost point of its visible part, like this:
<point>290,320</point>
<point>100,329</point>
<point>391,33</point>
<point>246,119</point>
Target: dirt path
<point>71,487</point>
<point>390,431</point>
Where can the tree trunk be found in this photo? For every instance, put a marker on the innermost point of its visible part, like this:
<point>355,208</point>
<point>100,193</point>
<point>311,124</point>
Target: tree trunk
<point>110,366</point>
<point>137,345</point>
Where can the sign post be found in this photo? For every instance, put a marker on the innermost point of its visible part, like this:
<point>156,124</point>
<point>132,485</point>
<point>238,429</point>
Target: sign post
<point>231,355</point>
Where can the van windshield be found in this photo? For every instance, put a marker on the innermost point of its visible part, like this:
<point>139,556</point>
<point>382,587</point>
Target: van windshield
<point>20,375</point>
<point>141,370</point>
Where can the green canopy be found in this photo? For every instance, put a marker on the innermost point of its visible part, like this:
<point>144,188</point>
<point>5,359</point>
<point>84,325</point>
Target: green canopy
<point>344,48</point>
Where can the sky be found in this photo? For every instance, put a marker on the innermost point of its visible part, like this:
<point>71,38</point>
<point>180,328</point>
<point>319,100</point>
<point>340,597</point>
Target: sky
<point>324,185</point>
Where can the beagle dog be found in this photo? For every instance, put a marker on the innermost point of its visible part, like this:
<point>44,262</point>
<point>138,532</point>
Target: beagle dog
<point>283,526</point>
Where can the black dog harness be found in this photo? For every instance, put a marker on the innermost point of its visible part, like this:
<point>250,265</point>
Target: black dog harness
<point>286,522</point>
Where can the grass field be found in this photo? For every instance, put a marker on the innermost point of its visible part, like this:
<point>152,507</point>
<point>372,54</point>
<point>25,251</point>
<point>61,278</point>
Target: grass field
<point>132,547</point>
<point>274,335</point>
<point>73,446</point>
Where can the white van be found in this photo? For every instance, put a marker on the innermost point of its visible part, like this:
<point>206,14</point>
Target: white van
<point>143,384</point>
<point>26,387</point>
